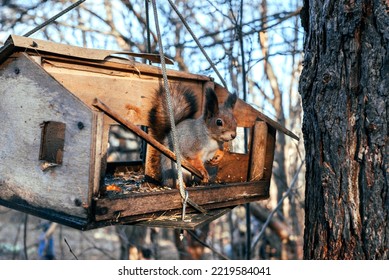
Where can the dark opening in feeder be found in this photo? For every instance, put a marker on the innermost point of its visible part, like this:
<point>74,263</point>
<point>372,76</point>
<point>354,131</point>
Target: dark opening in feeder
<point>52,142</point>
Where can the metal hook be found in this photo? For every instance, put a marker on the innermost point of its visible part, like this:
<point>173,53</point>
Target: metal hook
<point>184,205</point>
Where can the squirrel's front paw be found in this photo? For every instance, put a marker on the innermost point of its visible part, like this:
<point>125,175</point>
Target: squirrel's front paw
<point>216,158</point>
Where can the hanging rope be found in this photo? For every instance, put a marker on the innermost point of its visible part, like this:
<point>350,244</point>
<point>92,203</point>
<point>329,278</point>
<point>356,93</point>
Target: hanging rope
<point>198,43</point>
<point>168,97</point>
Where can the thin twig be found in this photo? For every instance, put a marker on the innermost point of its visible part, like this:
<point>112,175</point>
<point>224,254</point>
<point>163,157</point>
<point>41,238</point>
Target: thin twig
<point>52,19</point>
<point>70,249</point>
<point>206,245</point>
<point>25,236</point>
<point>95,247</point>
<point>292,187</point>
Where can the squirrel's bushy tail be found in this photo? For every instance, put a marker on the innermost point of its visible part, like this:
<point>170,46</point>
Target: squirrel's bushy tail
<point>185,105</point>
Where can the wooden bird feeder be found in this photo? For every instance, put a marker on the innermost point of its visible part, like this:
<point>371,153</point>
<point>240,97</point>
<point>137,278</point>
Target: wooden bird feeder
<point>54,141</point>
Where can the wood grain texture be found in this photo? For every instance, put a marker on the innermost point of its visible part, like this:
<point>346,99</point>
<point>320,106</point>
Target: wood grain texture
<point>258,151</point>
<point>246,115</point>
<point>344,89</point>
<point>28,98</point>
<point>174,219</point>
<point>131,93</point>
<point>232,168</point>
<point>42,46</point>
<point>210,197</point>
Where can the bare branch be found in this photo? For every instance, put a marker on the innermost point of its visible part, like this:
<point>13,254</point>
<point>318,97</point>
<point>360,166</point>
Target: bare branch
<point>70,249</point>
<point>290,189</point>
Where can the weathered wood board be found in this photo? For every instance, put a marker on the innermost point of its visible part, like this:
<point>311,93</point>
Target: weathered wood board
<point>210,197</point>
<point>129,91</point>
<point>28,98</point>
<point>191,221</point>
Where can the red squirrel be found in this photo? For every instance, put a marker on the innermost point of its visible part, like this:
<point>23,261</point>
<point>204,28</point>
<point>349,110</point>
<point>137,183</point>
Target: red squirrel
<point>200,139</point>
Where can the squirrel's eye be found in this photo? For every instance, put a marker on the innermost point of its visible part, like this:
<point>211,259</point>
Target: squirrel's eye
<point>219,122</point>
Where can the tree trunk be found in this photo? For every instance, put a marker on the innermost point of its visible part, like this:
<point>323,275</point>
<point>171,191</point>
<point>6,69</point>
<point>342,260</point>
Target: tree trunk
<point>344,87</point>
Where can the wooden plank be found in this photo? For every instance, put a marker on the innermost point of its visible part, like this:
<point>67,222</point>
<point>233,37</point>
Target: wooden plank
<point>198,219</point>
<point>131,93</point>
<point>96,154</point>
<point>80,223</point>
<point>210,197</point>
<point>269,157</point>
<point>247,115</point>
<point>150,140</point>
<point>191,222</point>
<point>39,46</point>
<point>29,98</point>
<point>232,168</point>
<point>115,67</point>
<point>258,151</point>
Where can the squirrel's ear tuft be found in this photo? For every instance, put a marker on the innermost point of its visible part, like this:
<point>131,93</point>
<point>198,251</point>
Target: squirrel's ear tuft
<point>231,100</point>
<point>211,104</point>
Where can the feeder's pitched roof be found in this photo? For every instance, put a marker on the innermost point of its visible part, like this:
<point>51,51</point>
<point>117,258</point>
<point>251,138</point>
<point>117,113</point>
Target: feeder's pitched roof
<point>26,43</point>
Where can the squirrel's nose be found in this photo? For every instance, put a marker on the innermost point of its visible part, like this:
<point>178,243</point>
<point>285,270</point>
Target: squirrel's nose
<point>233,135</point>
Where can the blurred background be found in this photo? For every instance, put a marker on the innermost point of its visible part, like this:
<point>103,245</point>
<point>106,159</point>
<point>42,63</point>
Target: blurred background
<point>257,48</point>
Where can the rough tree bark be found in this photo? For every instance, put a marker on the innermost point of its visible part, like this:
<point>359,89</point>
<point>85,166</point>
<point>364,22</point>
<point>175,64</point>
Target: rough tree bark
<point>344,87</point>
